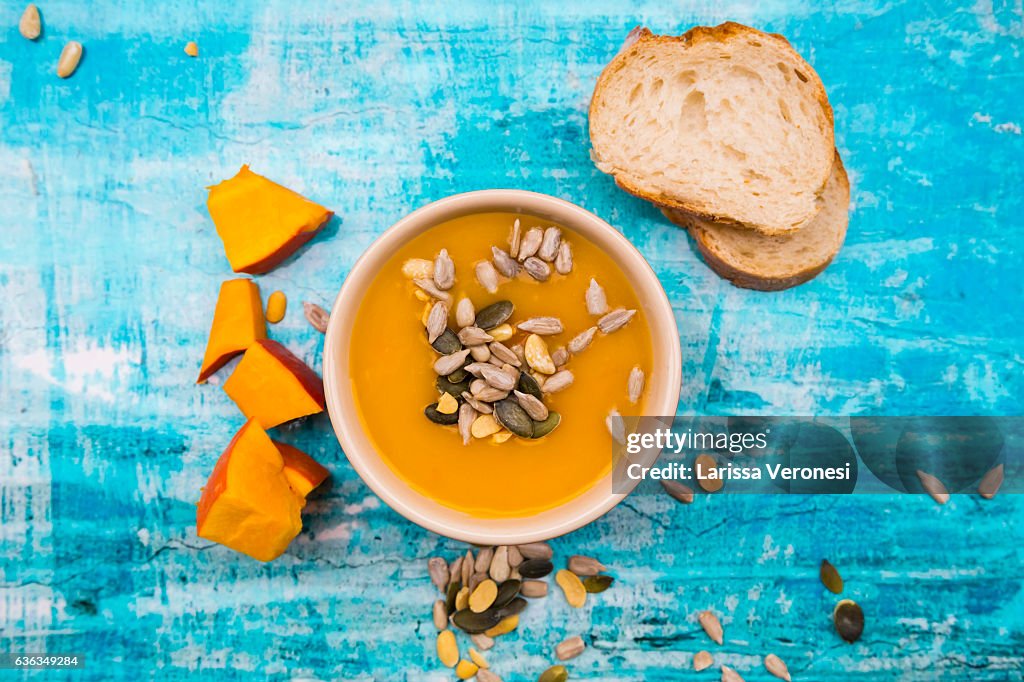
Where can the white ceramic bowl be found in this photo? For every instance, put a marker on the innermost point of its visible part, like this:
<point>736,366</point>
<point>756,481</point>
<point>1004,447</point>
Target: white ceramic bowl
<point>663,386</point>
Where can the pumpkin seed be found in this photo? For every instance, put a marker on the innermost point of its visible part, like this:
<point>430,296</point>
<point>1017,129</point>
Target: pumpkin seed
<point>482,408</point>
<point>507,591</point>
<point>30,26</point>
<point>494,315</point>
<point>484,426</point>
<point>571,586</point>
<point>595,584</point>
<point>449,598</point>
<point>584,565</point>
<point>558,381</point>
<point>438,570</point>
<point>428,287</point>
<point>537,355</point>
<point>474,336</point>
<point>499,568</point>
<point>483,596</point>
<point>702,660</point>
<point>503,353</point>
<point>487,675</point>
<point>466,669</point>
<point>730,675</point>
<point>447,648</point>
<point>635,384</point>
<point>487,276</point>
<point>439,417</point>
<point>474,623</point>
<point>446,364</point>
<point>504,626</point>
<point>569,648</point>
<point>934,487</point>
<point>534,589</point>
<point>515,238</point>
<point>528,385</point>
<point>513,417</point>
<point>447,343</point>
<point>777,667</point>
<point>615,320</point>
<point>549,244</point>
<point>317,317</point>
<point>597,302</point>
<point>563,260</point>
<point>504,263</point>
<point>537,410</point>
<point>712,626</point>
<point>702,466</point>
<point>444,271</point>
<point>482,641</point>
<point>418,268</point>
<point>991,482</point>
<point>556,673</point>
<point>830,577</point>
<point>499,380</point>
<point>545,326</point>
<point>531,242</point>
<point>440,615</point>
<point>682,493</point>
<point>514,607</point>
<point>535,568</point>
<point>537,269</point>
<point>543,428</point>
<point>458,376</point>
<point>478,658</point>
<point>582,340</point>
<point>560,356</point>
<point>446,385</point>
<point>465,313</point>
<point>536,550</point>
<point>849,620</point>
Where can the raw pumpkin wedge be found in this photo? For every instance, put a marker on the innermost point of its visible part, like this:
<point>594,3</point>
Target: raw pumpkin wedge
<point>237,324</point>
<point>302,471</point>
<point>273,386</point>
<point>261,222</point>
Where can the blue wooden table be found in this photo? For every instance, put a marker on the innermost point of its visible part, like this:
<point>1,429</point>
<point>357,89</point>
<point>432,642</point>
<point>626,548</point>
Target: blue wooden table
<point>109,268</point>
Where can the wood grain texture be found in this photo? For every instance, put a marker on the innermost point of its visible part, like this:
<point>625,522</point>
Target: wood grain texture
<point>109,269</point>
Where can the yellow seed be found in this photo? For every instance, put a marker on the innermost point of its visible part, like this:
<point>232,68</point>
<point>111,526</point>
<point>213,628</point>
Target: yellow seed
<point>447,648</point>
<point>502,332</point>
<point>418,268</point>
<point>30,24</point>
<point>462,599</point>
<point>537,355</point>
<point>465,669</point>
<point>447,404</point>
<point>422,295</point>
<point>277,303</point>
<point>501,437</point>
<point>506,626</point>
<point>483,596</point>
<point>574,591</point>
<point>705,463</point>
<point>69,58</point>
<point>484,426</point>
<point>191,49</point>
<point>478,658</point>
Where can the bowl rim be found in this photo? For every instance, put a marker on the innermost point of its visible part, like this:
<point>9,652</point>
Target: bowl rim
<point>346,305</point>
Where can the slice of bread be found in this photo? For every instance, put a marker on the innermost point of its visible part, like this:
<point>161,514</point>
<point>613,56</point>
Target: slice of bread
<point>726,122</point>
<point>774,262</point>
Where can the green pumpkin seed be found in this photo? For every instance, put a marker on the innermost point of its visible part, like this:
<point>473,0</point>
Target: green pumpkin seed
<point>535,568</point>
<point>438,417</point>
<point>513,608</point>
<point>444,385</point>
<point>449,597</point>
<point>458,376</point>
<point>507,591</point>
<point>596,584</point>
<point>541,429</point>
<point>475,623</point>
<point>830,577</point>
<point>529,385</point>
<point>849,620</point>
<point>447,343</point>
<point>556,673</point>
<point>494,314</point>
<point>514,418</point>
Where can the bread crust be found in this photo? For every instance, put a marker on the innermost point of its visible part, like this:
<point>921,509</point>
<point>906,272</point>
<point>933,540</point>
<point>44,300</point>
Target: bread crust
<point>696,35</point>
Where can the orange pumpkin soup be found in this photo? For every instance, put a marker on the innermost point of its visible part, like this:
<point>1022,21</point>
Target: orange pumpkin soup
<point>394,378</point>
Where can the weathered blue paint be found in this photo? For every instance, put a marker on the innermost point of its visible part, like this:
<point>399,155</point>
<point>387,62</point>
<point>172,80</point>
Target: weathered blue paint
<point>109,269</point>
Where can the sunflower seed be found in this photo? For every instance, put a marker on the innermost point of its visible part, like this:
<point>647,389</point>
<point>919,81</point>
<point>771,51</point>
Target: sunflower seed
<point>777,667</point>
<point>483,559</point>
<point>520,353</point>
<point>455,572</point>
<point>467,569</point>
<point>474,336</point>
<point>934,487</point>
<point>447,343</point>
<point>537,268</point>
<point>702,660</point>
<point>437,321</point>
<point>476,579</point>
<point>712,626</point>
<point>438,417</point>
<point>444,270</point>
<point>446,364</point>
<point>560,356</point>
<point>635,384</point>
<point>849,620</point>
<point>30,25</point>
<point>549,244</point>
<point>317,317</point>
<point>480,353</point>
<point>495,314</point>
<point>515,238</point>
<point>563,260</point>
<point>545,326</point>
<point>537,410</point>
<point>541,429</point>
<point>475,623</point>
<point>531,242</point>
<point>556,673</point>
<point>489,394</point>
<point>482,408</point>
<point>465,314</point>
<point>616,427</point>
<point>536,568</point>
<point>467,415</point>
<point>536,550</point>
<point>483,643</point>
<point>504,263</point>
<point>487,276</point>
<point>615,320</point>
<point>595,584</point>
<point>573,589</point>
<point>428,286</point>
<point>69,58</point>
<point>584,565</point>
<point>498,379</point>
<point>438,570</point>
<point>597,303</point>
<point>990,482</point>
<point>418,268</point>
<point>440,615</point>
<point>476,368</point>
<point>558,381</point>
<point>537,355</point>
<point>582,340</point>
<point>499,568</point>
<point>682,493</point>
<point>503,353</point>
<point>514,418</point>
<point>730,675</point>
<point>830,577</point>
<point>570,648</point>
<point>493,361</point>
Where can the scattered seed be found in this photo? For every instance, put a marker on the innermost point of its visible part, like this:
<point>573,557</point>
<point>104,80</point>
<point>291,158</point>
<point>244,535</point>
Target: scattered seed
<point>474,336</point>
<point>513,608</point>
<point>446,385</point>
<point>584,565</point>
<point>563,260</point>
<point>543,428</point>
<point>556,673</point>
<point>934,487</point>
<point>483,559</point>
<point>616,426</point>
<point>418,268</point>
<point>440,615</point>
<point>570,648</point>
<point>595,584</point>
<point>428,286</point>
<point>480,353</point>
<point>703,464</point>
<point>537,269</point>
<point>487,276</point>
<point>484,426</point>
<point>447,343</point>
<point>990,483</point>
<point>514,557</point>
<point>487,676</point>
<point>549,244</point>
<point>537,355</point>
<point>475,623</point>
<point>849,620</point>
<point>482,641</point>
<point>466,669</point>
<point>465,314</point>
<point>558,381</point>
<point>450,594</point>
<point>489,394</point>
<point>467,568</point>
<point>433,414</point>
<point>712,626</point>
<point>462,598</point>
<point>447,404</point>
<point>505,626</point>
<point>495,314</point>
<point>545,326</point>
<point>476,578</point>
<point>192,49</point>
<point>682,493</point>
<point>499,567</point>
<point>536,550</point>
<point>69,58</point>
<point>483,596</point>
<point>482,408</point>
<point>597,302</point>
<point>534,588</point>
<point>531,242</point>
<point>498,379</point>
<point>730,675</point>
<point>615,320</point>
<point>478,658</point>
<point>573,589</point>
<point>777,667</point>
<point>503,353</point>
<point>635,384</point>
<point>582,340</point>
<point>446,364</point>
<point>437,321</point>
<point>513,417</point>
<point>504,263</point>
<point>536,568</point>
<point>830,577</point>
<point>444,270</point>
<point>503,332</point>
<point>515,238</point>
<point>316,316</point>
<point>529,385</point>
<point>702,660</point>
<point>534,407</point>
<point>560,356</point>
<point>447,648</point>
<point>30,25</point>
<point>507,591</point>
<point>438,570</point>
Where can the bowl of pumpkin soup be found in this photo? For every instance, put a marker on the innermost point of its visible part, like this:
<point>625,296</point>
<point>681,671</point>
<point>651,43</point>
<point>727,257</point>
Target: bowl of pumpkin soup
<point>478,355</point>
